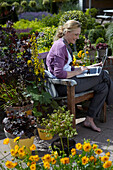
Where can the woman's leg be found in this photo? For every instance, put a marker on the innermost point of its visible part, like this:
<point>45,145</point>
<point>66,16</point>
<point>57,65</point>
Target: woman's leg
<point>100,86</point>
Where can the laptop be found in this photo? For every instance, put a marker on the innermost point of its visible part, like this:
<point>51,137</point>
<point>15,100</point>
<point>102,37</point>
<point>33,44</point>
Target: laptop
<point>93,71</point>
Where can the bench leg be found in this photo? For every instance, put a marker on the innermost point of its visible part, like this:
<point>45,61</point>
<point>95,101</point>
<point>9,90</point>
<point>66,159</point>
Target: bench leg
<point>71,102</point>
<point>103,114</point>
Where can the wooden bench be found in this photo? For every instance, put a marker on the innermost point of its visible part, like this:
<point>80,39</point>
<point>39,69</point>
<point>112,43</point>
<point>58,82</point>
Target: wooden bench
<point>72,98</point>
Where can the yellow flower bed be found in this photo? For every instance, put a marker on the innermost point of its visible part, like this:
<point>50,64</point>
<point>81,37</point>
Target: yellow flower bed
<point>83,156</point>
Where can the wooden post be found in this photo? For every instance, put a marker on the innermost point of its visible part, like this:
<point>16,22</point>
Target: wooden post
<point>71,102</point>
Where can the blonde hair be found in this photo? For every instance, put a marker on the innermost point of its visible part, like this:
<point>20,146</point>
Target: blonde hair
<point>69,26</point>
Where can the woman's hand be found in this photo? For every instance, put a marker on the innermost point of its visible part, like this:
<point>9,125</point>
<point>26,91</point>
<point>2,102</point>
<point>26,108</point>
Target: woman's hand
<point>97,64</point>
<point>77,71</point>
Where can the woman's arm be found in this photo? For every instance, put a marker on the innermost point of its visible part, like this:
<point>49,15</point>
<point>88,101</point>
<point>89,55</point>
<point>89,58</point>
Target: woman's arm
<point>77,71</point>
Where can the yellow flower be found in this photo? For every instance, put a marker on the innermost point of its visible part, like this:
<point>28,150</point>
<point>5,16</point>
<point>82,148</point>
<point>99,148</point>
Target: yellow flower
<point>28,163</point>
<point>16,139</point>
<point>36,158</point>
<point>104,158</point>
<point>87,52</point>
<point>73,151</point>
<point>46,165</point>
<point>108,154</point>
<point>85,160</point>
<point>12,152</point>
<point>29,62</point>
<point>94,146</point>
<point>79,146</point>
<point>33,147</point>
<point>108,140</point>
<point>55,154</point>
<point>87,147</point>
<point>6,141</point>
<point>92,158</point>
<point>33,167</point>
<point>47,158</point>
<point>31,158</point>
<point>98,151</point>
<point>107,164</point>
<point>53,161</point>
<point>9,164</point>
<point>21,155</point>
<point>64,160</point>
<point>16,148</point>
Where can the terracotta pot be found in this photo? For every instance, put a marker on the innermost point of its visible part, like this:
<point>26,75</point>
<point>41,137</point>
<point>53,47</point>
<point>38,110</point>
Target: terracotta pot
<point>28,108</point>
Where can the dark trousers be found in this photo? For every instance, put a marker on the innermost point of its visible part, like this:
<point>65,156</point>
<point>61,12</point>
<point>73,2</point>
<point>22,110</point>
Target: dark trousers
<point>103,91</point>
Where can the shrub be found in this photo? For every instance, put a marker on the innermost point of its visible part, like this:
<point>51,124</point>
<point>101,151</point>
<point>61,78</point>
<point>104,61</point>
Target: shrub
<point>76,15</point>
<point>100,40</point>
<point>32,3</point>
<point>24,3</point>
<point>96,33</point>
<point>25,24</point>
<point>99,27</point>
<point>49,20</point>
<point>109,36</point>
<point>16,4</point>
<point>80,43</point>
<point>69,6</point>
<point>45,39</point>
<point>23,35</point>
<point>91,22</point>
<point>92,12</point>
<point>106,25</point>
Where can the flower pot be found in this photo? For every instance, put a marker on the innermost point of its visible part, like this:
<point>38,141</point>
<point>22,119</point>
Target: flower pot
<point>43,135</point>
<point>102,52</point>
<point>27,108</point>
<point>57,146</point>
<point>22,142</point>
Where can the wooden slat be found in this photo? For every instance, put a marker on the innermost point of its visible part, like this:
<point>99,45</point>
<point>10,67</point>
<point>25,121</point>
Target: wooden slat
<point>84,97</point>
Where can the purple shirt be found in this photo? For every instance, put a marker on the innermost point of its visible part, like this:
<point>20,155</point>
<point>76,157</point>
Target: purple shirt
<point>57,58</point>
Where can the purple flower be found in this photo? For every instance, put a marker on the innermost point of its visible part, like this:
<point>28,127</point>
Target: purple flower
<point>32,15</point>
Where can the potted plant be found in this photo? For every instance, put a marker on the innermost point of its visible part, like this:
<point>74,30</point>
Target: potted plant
<point>102,49</point>
<point>21,125</point>
<point>60,123</point>
<point>90,48</point>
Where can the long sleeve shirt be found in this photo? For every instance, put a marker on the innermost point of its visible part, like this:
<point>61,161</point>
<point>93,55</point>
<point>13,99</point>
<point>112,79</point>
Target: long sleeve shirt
<point>57,59</point>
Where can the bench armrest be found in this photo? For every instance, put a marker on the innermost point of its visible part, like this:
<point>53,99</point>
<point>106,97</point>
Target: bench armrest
<point>67,82</point>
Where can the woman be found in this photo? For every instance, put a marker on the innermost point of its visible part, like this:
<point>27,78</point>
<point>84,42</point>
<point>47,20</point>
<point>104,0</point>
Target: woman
<point>59,64</point>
